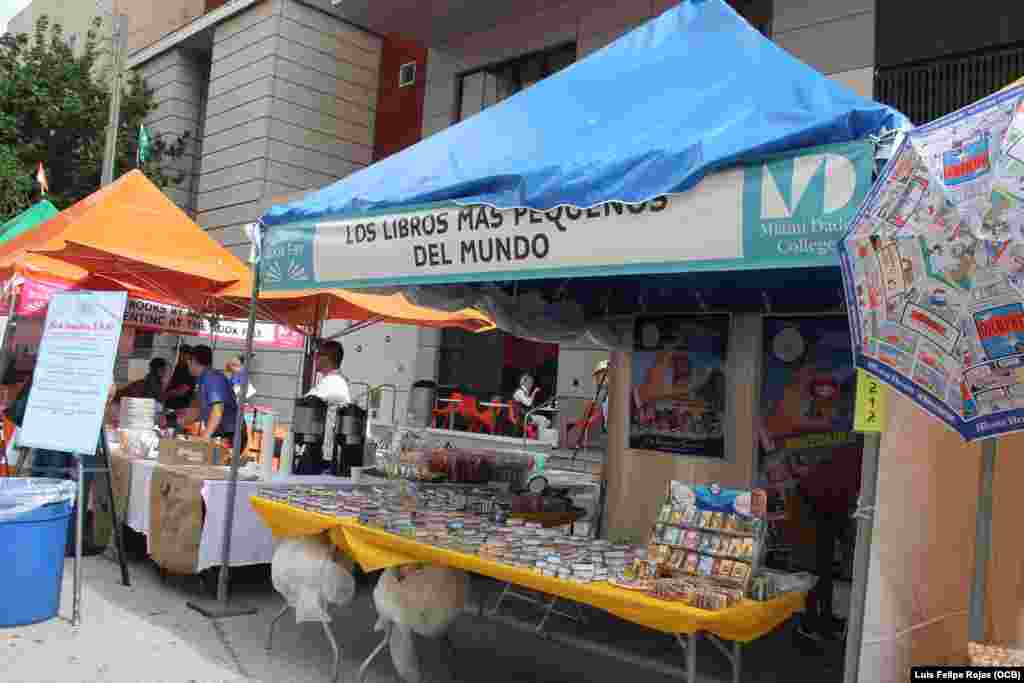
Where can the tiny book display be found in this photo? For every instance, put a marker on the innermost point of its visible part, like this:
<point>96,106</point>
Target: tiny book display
<point>705,546</point>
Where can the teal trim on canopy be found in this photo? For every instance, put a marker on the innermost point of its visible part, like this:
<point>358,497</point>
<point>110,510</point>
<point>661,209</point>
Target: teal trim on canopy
<point>37,214</point>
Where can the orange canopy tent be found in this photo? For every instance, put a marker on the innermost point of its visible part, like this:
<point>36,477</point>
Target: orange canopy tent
<point>304,309</point>
<point>129,234</point>
<point>129,231</point>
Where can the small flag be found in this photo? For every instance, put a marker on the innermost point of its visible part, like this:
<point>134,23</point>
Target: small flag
<point>143,153</point>
<point>44,186</point>
<point>255,234</point>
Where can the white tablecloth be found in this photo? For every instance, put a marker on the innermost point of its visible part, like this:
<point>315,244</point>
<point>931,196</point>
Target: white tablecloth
<point>251,541</point>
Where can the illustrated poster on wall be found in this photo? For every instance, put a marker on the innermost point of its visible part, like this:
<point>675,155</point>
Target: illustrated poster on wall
<point>808,389</point>
<point>678,392</point>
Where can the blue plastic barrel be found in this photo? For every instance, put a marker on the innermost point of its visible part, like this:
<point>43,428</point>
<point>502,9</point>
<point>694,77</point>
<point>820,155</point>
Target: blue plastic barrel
<point>34,516</point>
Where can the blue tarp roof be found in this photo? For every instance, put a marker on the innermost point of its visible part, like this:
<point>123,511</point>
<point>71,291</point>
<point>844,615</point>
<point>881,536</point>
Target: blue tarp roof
<point>693,90</point>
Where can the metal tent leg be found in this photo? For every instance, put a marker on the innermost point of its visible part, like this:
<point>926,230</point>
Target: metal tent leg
<point>861,557</point>
<point>451,654</point>
<point>688,644</point>
<point>336,669</point>
<point>691,657</point>
<point>76,602</point>
<point>373,655</point>
<point>273,623</point>
<point>733,654</point>
<point>982,542</point>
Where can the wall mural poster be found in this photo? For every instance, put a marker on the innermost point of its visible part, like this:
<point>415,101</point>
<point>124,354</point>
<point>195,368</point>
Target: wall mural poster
<point>678,395</point>
<point>807,402</point>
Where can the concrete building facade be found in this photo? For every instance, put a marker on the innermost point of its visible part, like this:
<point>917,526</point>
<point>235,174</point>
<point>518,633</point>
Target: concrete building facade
<point>279,97</point>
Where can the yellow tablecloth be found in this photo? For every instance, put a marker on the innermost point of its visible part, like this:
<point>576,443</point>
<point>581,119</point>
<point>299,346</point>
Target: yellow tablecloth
<point>375,549</point>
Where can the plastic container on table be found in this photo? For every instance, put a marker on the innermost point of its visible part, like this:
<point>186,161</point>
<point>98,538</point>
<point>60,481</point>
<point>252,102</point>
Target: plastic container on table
<point>34,518</point>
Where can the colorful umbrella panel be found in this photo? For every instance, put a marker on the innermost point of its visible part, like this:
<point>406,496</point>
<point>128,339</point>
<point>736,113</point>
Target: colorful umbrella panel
<point>933,269</point>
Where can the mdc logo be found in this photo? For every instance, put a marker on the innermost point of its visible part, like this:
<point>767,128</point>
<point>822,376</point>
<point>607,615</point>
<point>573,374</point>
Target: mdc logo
<point>827,181</point>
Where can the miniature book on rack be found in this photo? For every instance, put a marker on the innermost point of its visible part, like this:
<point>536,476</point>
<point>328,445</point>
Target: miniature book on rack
<point>706,544</point>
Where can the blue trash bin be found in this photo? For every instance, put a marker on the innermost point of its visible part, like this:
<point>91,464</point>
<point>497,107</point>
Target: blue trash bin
<point>34,518</point>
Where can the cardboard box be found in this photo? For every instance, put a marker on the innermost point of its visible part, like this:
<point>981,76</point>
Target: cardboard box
<point>189,452</point>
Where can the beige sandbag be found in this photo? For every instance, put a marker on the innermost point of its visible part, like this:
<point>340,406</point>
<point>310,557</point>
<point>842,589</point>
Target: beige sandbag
<point>419,599</point>
<point>426,599</point>
<point>307,573</point>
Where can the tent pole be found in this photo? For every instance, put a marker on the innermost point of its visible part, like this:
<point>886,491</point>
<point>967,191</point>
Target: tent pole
<point>9,328</point>
<point>221,608</point>
<point>982,543</point>
<point>862,556</point>
<point>308,369</point>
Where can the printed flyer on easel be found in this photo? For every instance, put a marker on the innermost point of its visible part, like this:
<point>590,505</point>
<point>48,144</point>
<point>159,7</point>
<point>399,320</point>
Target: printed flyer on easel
<point>74,371</point>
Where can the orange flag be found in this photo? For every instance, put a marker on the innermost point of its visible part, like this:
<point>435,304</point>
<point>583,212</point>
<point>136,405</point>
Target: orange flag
<point>44,186</point>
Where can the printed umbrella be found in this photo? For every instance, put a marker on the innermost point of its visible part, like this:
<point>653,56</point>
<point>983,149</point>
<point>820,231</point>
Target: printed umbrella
<point>933,271</point>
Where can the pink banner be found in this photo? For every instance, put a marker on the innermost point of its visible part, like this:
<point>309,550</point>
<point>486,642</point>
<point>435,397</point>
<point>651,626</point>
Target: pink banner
<point>150,315</point>
<point>157,317</point>
<point>35,295</point>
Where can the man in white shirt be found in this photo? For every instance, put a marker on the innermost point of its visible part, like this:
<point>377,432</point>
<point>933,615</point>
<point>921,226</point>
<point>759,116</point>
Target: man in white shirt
<point>331,386</point>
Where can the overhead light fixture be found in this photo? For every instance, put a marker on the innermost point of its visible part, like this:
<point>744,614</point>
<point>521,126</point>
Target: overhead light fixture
<point>336,3</point>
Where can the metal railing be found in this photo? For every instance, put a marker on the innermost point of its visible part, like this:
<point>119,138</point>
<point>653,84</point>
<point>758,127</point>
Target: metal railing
<point>925,92</point>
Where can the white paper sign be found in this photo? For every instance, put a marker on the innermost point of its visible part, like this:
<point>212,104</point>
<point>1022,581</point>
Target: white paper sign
<point>73,371</point>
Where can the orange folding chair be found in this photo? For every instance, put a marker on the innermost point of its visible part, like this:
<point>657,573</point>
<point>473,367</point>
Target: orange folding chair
<point>485,419</point>
<point>8,434</point>
<point>443,415</point>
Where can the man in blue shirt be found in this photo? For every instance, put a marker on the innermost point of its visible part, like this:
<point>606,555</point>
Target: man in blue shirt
<point>218,409</point>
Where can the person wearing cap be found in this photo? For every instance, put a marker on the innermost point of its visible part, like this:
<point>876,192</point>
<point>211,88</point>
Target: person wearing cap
<point>601,380</point>
<point>600,404</point>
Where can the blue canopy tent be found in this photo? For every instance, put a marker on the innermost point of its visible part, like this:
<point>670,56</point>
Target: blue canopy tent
<point>630,123</point>
<point>693,91</point>
<point>691,145</point>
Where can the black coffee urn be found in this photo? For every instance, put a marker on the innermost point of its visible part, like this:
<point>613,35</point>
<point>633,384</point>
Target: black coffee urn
<point>350,440</point>
<point>308,423</point>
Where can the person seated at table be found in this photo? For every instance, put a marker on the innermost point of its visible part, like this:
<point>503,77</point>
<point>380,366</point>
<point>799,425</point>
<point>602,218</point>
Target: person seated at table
<point>526,393</point>
<point>150,386</point>
<point>525,398</point>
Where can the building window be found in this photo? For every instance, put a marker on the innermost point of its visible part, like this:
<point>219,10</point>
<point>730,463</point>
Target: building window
<point>757,12</point>
<point>489,85</point>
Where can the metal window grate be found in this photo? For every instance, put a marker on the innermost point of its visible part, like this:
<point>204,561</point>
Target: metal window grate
<point>924,92</point>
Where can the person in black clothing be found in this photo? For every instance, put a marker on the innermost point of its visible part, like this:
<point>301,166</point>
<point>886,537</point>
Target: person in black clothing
<point>151,386</point>
<point>182,388</point>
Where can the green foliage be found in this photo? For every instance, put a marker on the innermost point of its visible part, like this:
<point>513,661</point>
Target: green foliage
<point>54,108</point>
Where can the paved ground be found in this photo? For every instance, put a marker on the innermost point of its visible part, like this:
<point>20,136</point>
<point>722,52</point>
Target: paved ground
<point>147,634</point>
